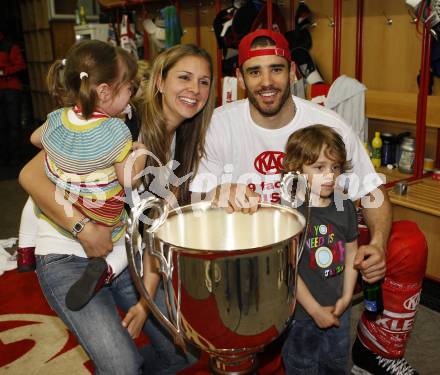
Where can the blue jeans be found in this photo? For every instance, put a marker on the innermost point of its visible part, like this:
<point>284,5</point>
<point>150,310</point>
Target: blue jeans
<point>309,350</point>
<point>97,326</point>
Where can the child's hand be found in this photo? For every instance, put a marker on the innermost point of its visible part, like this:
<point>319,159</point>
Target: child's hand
<point>138,146</point>
<point>139,151</point>
<point>324,317</point>
<point>341,305</point>
<point>135,318</point>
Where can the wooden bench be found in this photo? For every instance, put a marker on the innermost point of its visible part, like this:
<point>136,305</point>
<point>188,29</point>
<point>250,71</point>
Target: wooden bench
<point>421,204</point>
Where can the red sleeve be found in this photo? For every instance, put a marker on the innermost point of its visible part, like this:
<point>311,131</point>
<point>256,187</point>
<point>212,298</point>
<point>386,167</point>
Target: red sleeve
<point>16,61</point>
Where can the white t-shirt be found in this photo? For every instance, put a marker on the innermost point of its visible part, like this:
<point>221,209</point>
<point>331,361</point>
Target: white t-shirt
<point>240,151</point>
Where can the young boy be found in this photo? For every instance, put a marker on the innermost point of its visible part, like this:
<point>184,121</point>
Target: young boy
<point>318,341</point>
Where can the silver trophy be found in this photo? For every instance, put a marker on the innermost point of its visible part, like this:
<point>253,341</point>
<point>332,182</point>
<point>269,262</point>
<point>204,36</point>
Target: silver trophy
<point>229,279</point>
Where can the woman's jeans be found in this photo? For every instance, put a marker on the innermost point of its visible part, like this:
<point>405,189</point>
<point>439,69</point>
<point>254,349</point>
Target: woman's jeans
<point>312,351</point>
<point>98,327</point>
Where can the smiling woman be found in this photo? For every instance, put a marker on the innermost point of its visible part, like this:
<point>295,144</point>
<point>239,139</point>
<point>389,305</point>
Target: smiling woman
<point>179,100</point>
<point>184,90</point>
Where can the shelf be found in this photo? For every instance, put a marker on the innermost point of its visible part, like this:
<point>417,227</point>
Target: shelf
<point>423,195</point>
<point>392,174</point>
<point>400,107</point>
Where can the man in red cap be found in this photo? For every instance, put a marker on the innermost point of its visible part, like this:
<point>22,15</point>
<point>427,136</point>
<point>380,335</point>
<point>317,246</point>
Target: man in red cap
<point>244,150</point>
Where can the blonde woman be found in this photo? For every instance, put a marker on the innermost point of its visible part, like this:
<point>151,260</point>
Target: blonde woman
<point>175,111</point>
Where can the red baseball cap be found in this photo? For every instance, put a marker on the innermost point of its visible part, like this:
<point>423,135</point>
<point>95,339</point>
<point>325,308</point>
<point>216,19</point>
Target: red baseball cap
<point>281,47</point>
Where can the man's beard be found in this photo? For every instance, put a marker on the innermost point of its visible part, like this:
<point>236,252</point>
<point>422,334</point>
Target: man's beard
<point>271,112</point>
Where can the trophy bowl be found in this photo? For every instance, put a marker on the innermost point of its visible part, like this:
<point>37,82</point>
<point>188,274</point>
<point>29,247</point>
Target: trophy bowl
<point>229,278</point>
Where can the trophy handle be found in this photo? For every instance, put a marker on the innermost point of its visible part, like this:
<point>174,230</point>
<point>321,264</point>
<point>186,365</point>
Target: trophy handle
<point>291,184</point>
<point>134,242</point>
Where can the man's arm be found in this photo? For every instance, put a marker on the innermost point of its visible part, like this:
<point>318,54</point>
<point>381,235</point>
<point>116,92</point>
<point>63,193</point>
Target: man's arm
<point>370,259</point>
<point>379,220</point>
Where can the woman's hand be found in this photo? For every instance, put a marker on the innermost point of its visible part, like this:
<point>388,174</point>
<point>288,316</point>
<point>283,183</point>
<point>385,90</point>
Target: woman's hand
<point>96,239</point>
<point>135,318</point>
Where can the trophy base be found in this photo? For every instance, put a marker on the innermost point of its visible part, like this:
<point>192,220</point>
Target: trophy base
<point>244,365</point>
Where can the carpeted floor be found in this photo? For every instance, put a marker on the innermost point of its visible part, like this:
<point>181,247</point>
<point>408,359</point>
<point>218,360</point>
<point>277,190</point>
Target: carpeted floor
<point>32,339</point>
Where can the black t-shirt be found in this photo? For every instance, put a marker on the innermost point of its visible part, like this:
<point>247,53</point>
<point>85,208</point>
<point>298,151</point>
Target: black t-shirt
<point>323,259</point>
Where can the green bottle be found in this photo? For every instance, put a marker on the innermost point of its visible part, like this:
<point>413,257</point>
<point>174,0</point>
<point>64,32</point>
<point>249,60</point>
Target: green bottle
<point>373,299</point>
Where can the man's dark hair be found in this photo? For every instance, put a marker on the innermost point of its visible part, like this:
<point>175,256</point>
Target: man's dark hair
<point>262,41</point>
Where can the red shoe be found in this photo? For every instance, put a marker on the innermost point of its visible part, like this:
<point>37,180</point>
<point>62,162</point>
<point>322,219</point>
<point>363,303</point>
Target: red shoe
<point>26,259</point>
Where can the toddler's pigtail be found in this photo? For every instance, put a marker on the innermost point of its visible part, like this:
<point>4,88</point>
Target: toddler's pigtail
<point>55,82</point>
<point>86,96</point>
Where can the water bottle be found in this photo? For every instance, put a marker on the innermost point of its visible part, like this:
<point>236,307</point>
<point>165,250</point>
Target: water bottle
<point>388,149</point>
<point>373,300</point>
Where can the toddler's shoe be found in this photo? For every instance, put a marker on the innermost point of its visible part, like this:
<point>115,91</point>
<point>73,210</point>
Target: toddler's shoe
<point>26,259</point>
<point>96,275</point>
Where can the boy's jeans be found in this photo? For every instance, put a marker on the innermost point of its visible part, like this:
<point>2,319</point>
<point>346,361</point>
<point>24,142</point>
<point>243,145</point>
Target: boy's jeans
<point>312,351</point>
